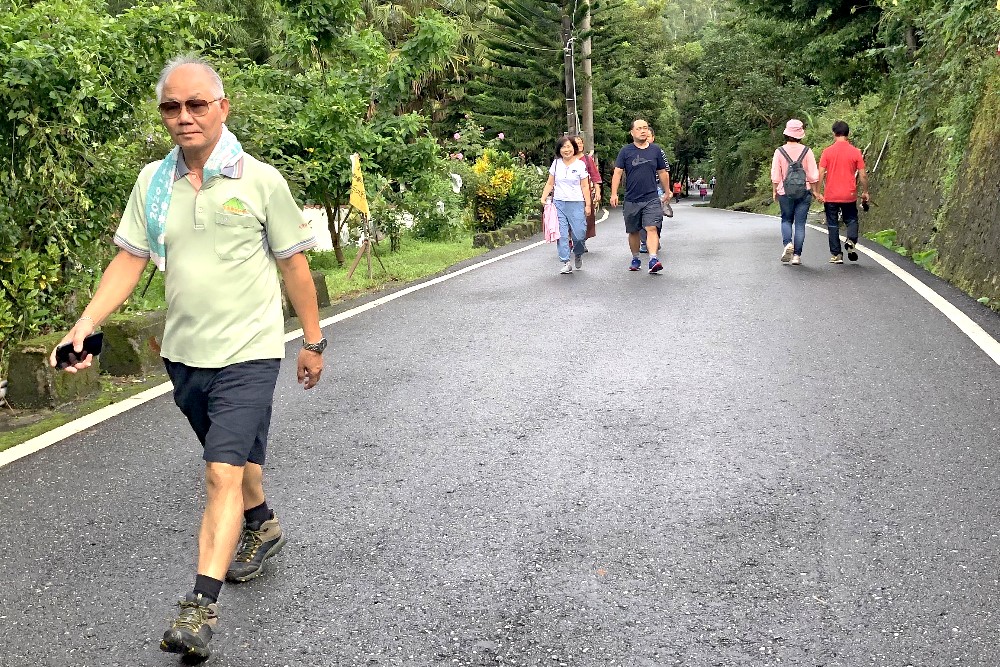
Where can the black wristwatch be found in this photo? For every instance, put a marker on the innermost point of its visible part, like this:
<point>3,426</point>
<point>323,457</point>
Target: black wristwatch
<point>314,347</point>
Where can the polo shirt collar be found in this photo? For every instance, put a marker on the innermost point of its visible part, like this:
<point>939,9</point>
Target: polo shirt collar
<point>234,170</point>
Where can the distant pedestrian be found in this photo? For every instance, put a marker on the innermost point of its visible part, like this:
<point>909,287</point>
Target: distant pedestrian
<point>711,184</point>
<point>677,192</point>
<point>590,160</point>
<point>702,189</point>
<point>793,173</point>
<point>643,164</point>
<point>840,167</point>
<point>569,185</point>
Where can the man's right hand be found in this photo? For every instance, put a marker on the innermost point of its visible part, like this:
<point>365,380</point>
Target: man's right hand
<point>614,200</point>
<point>83,328</point>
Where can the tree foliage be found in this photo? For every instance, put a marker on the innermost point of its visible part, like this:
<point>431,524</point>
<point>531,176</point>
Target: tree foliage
<point>78,125</point>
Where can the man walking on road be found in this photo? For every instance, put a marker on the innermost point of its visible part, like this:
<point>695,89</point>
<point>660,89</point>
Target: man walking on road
<point>840,166</point>
<point>217,222</point>
<point>643,163</point>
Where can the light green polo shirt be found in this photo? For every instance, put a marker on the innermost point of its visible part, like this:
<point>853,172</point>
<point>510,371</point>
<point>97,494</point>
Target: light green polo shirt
<point>223,294</point>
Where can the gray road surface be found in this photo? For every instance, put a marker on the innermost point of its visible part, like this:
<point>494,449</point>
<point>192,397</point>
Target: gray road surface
<point>733,463</point>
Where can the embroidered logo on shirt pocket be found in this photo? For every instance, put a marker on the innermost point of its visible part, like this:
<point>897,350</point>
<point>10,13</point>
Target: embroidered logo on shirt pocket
<point>237,237</point>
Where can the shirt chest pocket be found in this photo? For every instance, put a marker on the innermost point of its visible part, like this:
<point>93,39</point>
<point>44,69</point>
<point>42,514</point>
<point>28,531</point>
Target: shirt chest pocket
<point>237,237</point>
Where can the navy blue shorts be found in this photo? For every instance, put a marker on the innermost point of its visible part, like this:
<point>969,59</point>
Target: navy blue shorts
<point>228,408</point>
<point>642,215</point>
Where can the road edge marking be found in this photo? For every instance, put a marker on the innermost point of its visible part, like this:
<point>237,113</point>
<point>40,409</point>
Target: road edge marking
<point>965,324</point>
<point>81,424</point>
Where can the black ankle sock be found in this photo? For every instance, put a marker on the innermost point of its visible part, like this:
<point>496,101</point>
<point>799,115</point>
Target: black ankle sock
<point>207,586</point>
<point>258,514</point>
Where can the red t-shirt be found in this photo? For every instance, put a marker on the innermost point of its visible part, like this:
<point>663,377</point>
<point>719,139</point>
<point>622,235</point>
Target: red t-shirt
<point>842,161</point>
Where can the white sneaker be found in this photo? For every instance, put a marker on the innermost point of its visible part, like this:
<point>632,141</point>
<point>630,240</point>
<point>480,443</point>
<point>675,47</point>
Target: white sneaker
<point>787,254</point>
<point>579,261</point>
<point>567,268</point>
<point>796,260</point>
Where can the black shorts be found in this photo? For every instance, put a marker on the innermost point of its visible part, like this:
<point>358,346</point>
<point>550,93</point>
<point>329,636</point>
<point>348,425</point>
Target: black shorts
<point>640,215</point>
<point>229,408</point>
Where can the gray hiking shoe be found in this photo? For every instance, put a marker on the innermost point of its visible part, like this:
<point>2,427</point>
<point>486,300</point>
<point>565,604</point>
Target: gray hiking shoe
<point>258,542</point>
<point>193,628</point>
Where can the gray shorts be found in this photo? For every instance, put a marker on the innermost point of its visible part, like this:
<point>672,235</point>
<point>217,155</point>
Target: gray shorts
<point>639,215</point>
<point>228,408</point>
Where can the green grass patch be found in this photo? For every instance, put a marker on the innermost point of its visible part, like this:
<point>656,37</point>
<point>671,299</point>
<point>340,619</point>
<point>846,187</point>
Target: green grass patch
<point>887,239</point>
<point>416,259</point>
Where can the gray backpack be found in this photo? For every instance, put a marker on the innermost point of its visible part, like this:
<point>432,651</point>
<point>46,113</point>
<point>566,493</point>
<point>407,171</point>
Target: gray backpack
<point>795,180</point>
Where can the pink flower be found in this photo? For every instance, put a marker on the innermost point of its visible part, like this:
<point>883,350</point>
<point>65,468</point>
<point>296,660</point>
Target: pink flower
<point>459,156</point>
<point>457,136</point>
<point>500,136</point>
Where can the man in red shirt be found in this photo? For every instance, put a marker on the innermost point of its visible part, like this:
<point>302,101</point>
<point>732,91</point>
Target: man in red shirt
<point>839,169</point>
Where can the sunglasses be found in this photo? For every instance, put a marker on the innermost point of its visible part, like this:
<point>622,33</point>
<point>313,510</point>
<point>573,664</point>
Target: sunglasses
<point>194,107</point>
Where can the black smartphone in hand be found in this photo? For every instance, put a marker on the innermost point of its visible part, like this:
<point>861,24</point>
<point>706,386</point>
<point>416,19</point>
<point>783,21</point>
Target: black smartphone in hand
<point>67,356</point>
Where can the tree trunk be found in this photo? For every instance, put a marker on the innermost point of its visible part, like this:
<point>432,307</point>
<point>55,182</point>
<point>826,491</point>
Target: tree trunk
<point>334,225</point>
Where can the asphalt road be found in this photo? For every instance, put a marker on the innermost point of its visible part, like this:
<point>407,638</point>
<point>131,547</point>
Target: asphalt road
<point>735,462</point>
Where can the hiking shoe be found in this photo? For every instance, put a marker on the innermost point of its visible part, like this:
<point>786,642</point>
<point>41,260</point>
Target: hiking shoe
<point>193,628</point>
<point>787,254</point>
<point>654,265</point>
<point>635,265</point>
<point>642,247</point>
<point>579,261</point>
<point>852,253</point>
<point>837,259</point>
<point>796,260</point>
<point>567,267</point>
<point>258,542</point>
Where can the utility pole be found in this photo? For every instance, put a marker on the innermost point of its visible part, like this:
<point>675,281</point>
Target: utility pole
<point>588,88</point>
<point>567,30</point>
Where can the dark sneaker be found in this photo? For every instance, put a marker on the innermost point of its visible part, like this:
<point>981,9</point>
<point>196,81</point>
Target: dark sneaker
<point>193,628</point>
<point>642,247</point>
<point>852,253</point>
<point>258,542</point>
<point>635,265</point>
<point>579,262</point>
<point>654,265</point>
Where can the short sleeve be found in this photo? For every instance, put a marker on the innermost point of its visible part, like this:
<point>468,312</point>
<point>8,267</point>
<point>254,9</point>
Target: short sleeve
<point>861,160</point>
<point>552,168</point>
<point>620,160</point>
<point>288,231</point>
<point>131,233</point>
<point>661,160</point>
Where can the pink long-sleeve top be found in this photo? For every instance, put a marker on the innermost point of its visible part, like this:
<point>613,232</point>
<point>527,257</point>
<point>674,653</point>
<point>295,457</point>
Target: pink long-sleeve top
<point>779,165</point>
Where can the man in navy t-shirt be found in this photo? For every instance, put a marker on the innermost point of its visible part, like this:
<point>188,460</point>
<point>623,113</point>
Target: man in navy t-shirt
<point>643,163</point>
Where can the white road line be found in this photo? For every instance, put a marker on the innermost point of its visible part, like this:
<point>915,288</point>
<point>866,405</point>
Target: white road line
<point>77,425</point>
<point>966,325</point>
<point>82,424</point>
<point>976,333</point>
<point>987,343</point>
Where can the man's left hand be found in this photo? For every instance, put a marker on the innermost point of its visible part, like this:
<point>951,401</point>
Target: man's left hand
<point>310,368</point>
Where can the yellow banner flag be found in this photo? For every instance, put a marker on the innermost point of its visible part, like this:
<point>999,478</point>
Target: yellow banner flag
<point>358,198</point>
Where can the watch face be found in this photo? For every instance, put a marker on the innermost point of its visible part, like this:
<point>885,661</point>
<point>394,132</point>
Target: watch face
<point>315,347</point>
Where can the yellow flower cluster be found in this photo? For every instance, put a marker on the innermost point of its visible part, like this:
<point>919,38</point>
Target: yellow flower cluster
<point>482,165</point>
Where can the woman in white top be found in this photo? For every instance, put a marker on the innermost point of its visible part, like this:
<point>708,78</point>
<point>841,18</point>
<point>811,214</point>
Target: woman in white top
<point>569,186</point>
